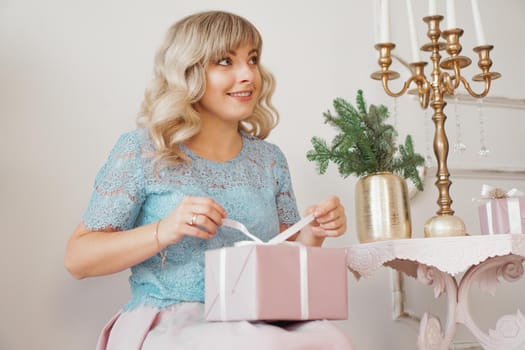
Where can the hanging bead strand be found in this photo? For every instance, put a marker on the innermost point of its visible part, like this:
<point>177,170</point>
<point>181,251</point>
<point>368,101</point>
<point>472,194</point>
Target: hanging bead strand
<point>394,113</point>
<point>459,146</point>
<point>483,150</point>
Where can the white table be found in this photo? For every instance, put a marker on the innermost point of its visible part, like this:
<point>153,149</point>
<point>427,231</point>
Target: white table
<point>438,262</point>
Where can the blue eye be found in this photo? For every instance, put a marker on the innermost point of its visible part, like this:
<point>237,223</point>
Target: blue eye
<point>224,62</point>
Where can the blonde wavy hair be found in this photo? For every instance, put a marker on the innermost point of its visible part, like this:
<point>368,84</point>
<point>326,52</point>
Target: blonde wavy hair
<point>180,81</point>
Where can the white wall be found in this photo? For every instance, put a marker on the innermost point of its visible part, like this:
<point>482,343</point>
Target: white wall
<point>72,74</point>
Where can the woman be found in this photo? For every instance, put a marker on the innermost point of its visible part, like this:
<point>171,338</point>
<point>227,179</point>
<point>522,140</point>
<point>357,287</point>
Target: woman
<point>197,157</point>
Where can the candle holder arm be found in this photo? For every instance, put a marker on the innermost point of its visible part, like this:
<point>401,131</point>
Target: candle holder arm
<point>423,88</point>
<point>451,82</point>
<point>405,87</point>
<point>457,76</point>
<point>472,92</point>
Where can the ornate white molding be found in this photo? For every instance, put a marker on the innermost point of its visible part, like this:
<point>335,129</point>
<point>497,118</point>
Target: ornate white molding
<point>509,333</point>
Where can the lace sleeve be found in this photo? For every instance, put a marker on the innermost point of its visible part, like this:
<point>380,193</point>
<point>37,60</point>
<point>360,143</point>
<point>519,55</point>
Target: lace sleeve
<point>285,198</point>
<point>118,190</point>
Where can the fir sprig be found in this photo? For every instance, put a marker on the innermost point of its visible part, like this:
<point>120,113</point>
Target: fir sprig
<point>365,144</point>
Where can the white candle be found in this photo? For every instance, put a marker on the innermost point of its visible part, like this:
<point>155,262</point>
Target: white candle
<point>432,7</point>
<point>377,20</point>
<point>384,30</point>
<point>451,14</point>
<point>480,35</point>
<point>413,34</point>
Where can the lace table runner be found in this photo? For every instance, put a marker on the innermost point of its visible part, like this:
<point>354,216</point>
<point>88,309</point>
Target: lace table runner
<point>452,255</point>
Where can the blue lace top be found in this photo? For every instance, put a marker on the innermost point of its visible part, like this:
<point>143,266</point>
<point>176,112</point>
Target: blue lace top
<point>254,188</point>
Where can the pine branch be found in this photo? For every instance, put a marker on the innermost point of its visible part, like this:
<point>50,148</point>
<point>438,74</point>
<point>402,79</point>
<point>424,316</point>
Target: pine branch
<point>320,154</point>
<point>365,143</point>
<point>360,101</point>
<point>408,162</point>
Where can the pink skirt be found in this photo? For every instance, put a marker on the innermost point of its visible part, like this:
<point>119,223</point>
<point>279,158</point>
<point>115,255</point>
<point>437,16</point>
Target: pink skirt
<point>183,327</point>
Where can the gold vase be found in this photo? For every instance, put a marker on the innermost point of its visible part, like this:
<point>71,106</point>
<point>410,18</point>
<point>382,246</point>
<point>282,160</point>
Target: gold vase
<point>382,208</point>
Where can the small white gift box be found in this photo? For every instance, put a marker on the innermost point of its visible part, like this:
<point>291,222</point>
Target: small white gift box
<point>501,211</point>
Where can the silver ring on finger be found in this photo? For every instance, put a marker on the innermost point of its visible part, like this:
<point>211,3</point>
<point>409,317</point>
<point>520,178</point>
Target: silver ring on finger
<point>193,220</point>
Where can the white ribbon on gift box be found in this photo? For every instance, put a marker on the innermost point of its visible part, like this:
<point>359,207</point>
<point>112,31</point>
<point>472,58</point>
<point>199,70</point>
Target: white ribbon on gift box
<point>280,238</point>
<point>513,206</point>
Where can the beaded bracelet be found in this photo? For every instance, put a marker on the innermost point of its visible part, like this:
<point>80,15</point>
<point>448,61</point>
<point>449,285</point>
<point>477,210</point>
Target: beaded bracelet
<point>162,252</point>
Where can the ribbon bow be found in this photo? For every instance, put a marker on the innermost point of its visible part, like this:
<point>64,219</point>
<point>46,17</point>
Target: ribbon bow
<point>490,192</point>
<point>281,237</point>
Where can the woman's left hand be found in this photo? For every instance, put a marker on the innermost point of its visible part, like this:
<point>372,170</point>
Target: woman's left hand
<point>330,218</point>
<point>329,221</point>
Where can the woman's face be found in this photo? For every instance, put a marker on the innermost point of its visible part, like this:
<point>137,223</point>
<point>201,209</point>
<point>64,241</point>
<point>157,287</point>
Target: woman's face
<point>233,85</point>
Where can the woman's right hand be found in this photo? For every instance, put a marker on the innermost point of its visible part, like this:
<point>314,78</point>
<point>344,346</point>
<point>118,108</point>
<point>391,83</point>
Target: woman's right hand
<point>106,251</point>
<point>194,216</point>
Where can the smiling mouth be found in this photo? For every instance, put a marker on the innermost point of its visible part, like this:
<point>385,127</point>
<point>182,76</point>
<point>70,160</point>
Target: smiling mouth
<point>240,94</point>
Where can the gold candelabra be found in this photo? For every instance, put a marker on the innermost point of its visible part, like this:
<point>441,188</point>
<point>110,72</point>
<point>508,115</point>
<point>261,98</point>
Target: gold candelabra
<point>431,92</point>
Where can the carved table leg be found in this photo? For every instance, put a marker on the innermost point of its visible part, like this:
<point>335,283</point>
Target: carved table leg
<point>431,336</point>
<point>510,329</point>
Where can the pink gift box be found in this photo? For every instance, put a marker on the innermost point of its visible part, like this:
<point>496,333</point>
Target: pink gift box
<point>502,215</point>
<point>275,282</point>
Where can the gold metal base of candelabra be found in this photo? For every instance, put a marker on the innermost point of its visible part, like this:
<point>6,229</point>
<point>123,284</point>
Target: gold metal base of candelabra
<point>444,226</point>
